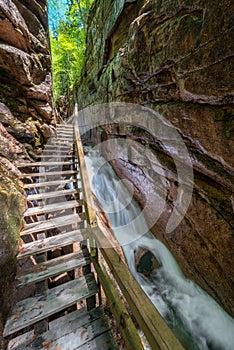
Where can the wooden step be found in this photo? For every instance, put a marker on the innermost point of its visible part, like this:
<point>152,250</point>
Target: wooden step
<point>56,151</point>
<point>80,329</point>
<point>41,306</point>
<point>54,242</point>
<point>48,163</point>
<point>55,194</point>
<point>43,209</point>
<point>49,183</point>
<point>52,268</point>
<point>64,133</point>
<point>61,142</point>
<point>51,173</point>
<point>56,157</point>
<point>51,224</point>
<point>66,126</point>
<point>57,147</point>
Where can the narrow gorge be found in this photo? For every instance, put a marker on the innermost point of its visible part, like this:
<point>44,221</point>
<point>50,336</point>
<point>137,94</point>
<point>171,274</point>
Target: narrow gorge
<point>174,57</point>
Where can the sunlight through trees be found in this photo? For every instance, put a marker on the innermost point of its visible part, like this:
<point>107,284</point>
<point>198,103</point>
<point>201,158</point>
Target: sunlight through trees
<point>68,20</point>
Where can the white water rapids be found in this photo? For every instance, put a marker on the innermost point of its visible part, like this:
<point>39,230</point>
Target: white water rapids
<point>197,320</point>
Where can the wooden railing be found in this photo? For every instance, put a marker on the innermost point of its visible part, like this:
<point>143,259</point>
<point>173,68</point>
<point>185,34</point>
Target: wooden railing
<point>156,331</point>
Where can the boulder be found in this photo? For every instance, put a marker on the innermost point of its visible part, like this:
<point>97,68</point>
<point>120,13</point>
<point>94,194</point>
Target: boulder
<point>145,261</point>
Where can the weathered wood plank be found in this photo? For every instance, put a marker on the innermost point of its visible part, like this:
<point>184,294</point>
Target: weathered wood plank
<point>50,224</point>
<point>150,321</point>
<point>58,147</point>
<point>64,130</point>
<point>49,183</point>
<point>51,173</point>
<point>53,207</point>
<point>56,151</point>
<point>39,164</point>
<point>51,268</point>
<point>31,310</point>
<point>67,129</point>
<point>91,214</point>
<point>76,319</point>
<point>104,341</point>
<point>61,140</point>
<point>95,335</point>
<point>55,156</point>
<point>21,340</point>
<point>123,320</point>
<point>60,240</point>
<point>54,194</point>
<point>64,134</point>
<point>60,144</point>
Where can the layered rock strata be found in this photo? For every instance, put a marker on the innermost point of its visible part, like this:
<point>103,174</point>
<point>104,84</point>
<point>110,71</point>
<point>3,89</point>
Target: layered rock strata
<point>175,57</point>
<point>26,118</point>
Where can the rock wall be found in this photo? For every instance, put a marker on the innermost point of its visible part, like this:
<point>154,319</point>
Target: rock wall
<point>26,119</point>
<point>176,58</point>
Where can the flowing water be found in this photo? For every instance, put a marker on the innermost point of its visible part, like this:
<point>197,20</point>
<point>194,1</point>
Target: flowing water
<point>197,320</point>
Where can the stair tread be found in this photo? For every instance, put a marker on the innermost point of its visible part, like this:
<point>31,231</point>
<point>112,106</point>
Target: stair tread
<point>74,321</point>
<point>48,146</point>
<point>46,163</point>
<point>64,131</point>
<point>51,223</point>
<point>53,207</point>
<point>67,143</point>
<point>60,140</point>
<point>48,194</point>
<point>61,156</point>
<point>37,308</point>
<point>57,241</point>
<point>50,173</point>
<point>49,183</point>
<point>57,151</point>
<point>82,338</point>
<point>51,268</point>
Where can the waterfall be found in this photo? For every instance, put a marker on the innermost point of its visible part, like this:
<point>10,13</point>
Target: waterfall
<point>196,319</point>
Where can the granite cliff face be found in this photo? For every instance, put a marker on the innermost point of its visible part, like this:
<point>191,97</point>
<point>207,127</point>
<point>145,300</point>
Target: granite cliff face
<point>174,57</point>
<point>26,113</point>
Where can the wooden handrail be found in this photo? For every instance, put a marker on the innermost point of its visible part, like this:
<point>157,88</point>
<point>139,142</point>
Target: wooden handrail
<point>158,334</point>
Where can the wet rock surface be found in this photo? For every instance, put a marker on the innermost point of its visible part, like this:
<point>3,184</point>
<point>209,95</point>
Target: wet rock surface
<point>176,58</point>
<point>145,261</point>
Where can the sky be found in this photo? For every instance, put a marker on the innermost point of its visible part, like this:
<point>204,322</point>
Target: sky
<point>55,14</point>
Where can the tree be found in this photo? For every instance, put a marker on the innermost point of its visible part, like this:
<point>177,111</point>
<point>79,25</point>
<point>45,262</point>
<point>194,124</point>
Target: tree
<point>68,21</point>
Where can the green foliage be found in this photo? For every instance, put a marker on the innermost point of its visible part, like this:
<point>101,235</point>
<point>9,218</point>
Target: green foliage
<point>68,20</point>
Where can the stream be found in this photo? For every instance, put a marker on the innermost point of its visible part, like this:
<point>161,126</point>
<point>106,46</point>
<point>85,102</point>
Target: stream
<point>195,318</point>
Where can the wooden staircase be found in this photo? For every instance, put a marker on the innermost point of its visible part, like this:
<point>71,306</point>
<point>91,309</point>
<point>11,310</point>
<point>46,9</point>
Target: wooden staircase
<point>62,240</point>
<point>64,315</point>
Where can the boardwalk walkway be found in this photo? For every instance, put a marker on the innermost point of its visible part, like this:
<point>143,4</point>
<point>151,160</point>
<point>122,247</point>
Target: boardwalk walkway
<point>62,241</point>
<point>65,316</point>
